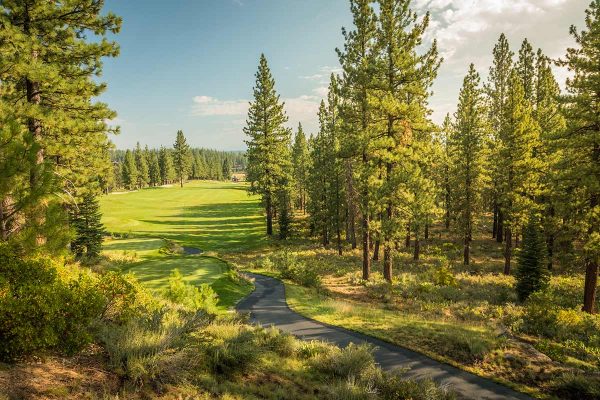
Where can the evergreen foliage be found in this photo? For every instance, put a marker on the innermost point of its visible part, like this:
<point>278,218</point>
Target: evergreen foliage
<point>269,158</point>
<point>86,221</point>
<point>181,158</point>
<point>532,274</point>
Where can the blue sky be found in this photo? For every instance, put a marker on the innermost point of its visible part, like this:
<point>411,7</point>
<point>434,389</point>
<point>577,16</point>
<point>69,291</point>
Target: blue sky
<point>190,64</point>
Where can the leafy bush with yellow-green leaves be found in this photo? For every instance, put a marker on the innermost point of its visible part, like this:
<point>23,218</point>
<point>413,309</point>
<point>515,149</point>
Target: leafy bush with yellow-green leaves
<point>47,305</point>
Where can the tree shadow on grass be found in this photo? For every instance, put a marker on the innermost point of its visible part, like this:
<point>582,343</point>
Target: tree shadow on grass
<point>219,226</point>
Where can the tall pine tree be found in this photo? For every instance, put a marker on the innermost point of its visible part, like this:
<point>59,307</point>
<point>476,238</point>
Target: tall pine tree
<point>181,158</point>
<point>582,143</point>
<point>466,148</point>
<point>269,159</point>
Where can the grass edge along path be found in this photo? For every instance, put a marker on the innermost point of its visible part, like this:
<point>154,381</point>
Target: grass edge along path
<point>269,305</point>
<point>295,295</point>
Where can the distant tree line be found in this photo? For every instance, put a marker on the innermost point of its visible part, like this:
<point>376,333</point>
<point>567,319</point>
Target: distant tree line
<point>143,167</point>
<point>517,154</point>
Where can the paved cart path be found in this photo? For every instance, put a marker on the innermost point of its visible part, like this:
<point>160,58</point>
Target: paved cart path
<point>267,306</point>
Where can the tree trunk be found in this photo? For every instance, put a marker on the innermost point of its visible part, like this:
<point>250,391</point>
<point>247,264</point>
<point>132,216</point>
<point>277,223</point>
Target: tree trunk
<point>507,250</point>
<point>427,231</point>
<point>417,252</point>
<point>376,251</point>
<point>467,249</point>
<point>407,240</point>
<point>269,209</point>
<point>365,218</point>
<point>495,226</point>
<point>388,261</point>
<point>591,282</point>
<point>500,226</point>
<point>591,268</point>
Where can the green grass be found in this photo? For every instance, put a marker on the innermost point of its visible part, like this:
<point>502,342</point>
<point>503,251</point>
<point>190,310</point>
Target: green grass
<point>211,216</point>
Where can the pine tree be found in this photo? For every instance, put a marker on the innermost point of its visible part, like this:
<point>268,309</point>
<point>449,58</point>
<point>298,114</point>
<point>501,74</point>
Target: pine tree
<point>335,166</point>
<point>89,230</point>
<point>130,172</point>
<point>154,169</point>
<point>581,144</point>
<point>269,159</point>
<point>48,77</point>
<point>526,69</point>
<point>167,170</point>
<point>551,121</point>
<point>518,175</point>
<point>357,60</point>
<point>497,90</point>
<point>319,190</point>
<point>403,78</point>
<point>466,146</point>
<point>532,274</point>
<point>300,166</point>
<point>445,181</point>
<point>226,169</point>
<point>142,167</point>
<point>181,158</point>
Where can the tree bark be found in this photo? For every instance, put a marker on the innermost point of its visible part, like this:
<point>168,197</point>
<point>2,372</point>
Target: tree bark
<point>407,240</point>
<point>269,209</point>
<point>467,250</point>
<point>495,226</point>
<point>500,226</point>
<point>376,251</point>
<point>507,249</point>
<point>591,268</point>
<point>417,253</point>
<point>388,260</point>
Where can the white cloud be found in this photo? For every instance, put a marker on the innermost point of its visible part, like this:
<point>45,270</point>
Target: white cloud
<point>298,109</point>
<point>206,106</point>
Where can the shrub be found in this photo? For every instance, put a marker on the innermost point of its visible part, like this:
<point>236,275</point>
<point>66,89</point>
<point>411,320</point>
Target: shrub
<point>233,355</point>
<point>150,349</point>
<point>443,276</point>
<point>290,268</point>
<point>312,349</point>
<point>353,361</point>
<point>39,310</point>
<point>577,387</point>
<point>124,298</point>
<point>283,344</point>
<point>395,386</point>
<point>466,348</point>
<point>170,247</point>
<point>192,297</point>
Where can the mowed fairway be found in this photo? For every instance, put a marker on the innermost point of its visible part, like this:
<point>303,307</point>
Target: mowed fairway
<point>211,216</point>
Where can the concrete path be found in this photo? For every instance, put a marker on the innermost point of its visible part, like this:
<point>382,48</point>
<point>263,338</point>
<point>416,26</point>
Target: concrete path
<point>267,306</point>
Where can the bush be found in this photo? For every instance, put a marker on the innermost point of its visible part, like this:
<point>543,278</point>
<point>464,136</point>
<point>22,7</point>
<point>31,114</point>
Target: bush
<point>283,344</point>
<point>577,387</point>
<point>39,310</point>
<point>312,349</point>
<point>443,276</point>
<point>233,353</point>
<point>466,348</point>
<point>353,361</point>
<point>151,349</point>
<point>124,297</point>
<point>290,268</point>
<point>192,297</point>
<point>543,316</point>
<point>170,247</point>
<point>394,386</point>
